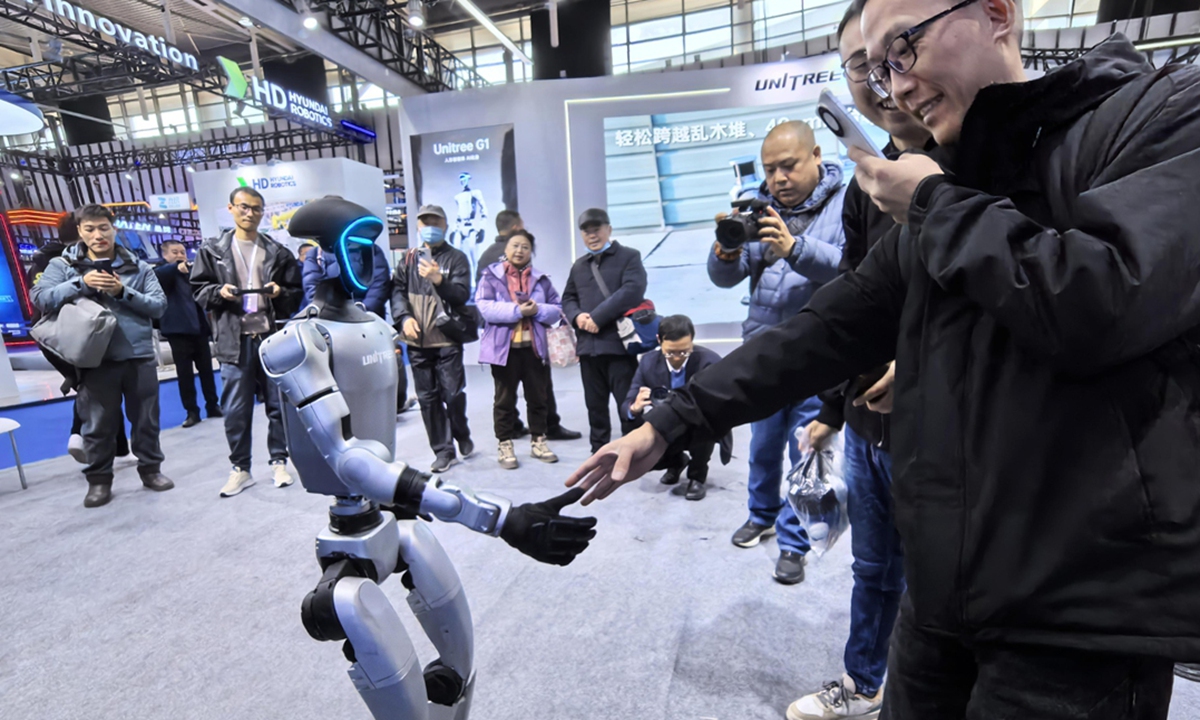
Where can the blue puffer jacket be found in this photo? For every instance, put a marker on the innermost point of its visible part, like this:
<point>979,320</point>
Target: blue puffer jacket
<point>785,286</point>
<point>139,306</point>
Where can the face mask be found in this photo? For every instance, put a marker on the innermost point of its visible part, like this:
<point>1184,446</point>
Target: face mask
<point>607,245</point>
<point>433,235</point>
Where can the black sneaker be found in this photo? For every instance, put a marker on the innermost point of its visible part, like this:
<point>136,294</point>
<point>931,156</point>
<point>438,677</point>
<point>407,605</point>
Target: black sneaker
<point>751,534</point>
<point>466,448</point>
<point>696,490</point>
<point>443,464</point>
<point>214,411</point>
<point>670,477</point>
<point>789,568</point>
<point>562,433</point>
<point>192,419</point>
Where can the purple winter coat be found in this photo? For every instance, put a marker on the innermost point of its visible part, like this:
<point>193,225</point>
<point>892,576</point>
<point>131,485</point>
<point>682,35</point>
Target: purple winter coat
<point>501,315</point>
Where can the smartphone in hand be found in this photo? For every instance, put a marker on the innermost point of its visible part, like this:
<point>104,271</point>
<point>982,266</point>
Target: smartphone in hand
<point>842,124</point>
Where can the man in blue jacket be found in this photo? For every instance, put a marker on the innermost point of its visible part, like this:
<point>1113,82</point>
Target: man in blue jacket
<point>98,269</point>
<point>186,329</point>
<point>798,249</point>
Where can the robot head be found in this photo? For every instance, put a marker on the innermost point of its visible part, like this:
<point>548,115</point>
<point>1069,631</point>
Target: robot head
<point>464,179</point>
<point>346,232</point>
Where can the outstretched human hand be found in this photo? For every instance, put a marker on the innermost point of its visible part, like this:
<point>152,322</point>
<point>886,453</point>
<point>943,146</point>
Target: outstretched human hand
<point>537,530</point>
<point>623,460</point>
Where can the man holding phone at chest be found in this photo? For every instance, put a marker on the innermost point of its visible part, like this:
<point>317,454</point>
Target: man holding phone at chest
<point>428,283</point>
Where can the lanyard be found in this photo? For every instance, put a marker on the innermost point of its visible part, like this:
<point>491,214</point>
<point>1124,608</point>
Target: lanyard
<point>249,265</point>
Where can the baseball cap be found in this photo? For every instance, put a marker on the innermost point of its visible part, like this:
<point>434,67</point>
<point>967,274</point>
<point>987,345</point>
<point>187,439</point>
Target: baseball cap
<point>593,216</point>
<point>432,210</point>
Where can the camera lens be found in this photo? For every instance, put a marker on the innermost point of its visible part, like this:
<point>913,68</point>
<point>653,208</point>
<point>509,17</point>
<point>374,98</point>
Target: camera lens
<point>732,232</point>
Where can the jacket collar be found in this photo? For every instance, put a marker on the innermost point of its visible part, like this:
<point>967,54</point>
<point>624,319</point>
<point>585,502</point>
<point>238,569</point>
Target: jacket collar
<point>827,187</point>
<point>612,248</point>
<point>1005,121</point>
<point>497,270</point>
<point>124,262</point>
<point>263,240</point>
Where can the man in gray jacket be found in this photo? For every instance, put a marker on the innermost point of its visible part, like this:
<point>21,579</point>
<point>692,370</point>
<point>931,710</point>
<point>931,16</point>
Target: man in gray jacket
<point>99,269</point>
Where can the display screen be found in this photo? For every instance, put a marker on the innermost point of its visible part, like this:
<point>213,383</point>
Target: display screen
<point>669,175</point>
<point>14,296</point>
<point>472,175</point>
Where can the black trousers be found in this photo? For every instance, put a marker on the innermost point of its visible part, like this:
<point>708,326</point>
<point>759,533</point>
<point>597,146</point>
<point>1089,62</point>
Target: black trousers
<point>402,380</point>
<point>524,368</point>
<point>941,677</point>
<point>605,376</point>
<point>698,454</point>
<point>99,403</point>
<point>192,351</point>
<point>442,391</point>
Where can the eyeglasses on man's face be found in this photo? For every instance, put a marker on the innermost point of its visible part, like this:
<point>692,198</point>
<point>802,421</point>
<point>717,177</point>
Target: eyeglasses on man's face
<point>677,354</point>
<point>245,209</point>
<point>901,54</point>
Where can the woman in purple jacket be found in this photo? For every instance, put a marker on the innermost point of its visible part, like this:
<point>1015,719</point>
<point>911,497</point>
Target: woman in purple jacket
<point>518,304</point>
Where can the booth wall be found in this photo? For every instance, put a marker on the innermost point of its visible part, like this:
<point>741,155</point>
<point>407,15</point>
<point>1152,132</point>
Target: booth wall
<point>561,141</point>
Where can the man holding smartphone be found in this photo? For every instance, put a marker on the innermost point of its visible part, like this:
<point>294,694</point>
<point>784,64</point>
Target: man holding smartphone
<point>428,281</point>
<point>246,280</point>
<point>864,405</point>
<point>186,330</point>
<point>99,269</point>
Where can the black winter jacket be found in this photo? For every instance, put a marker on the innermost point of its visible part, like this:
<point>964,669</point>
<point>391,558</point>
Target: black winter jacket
<point>491,254</point>
<point>183,316</point>
<point>623,272</point>
<point>214,268</point>
<point>1046,433</point>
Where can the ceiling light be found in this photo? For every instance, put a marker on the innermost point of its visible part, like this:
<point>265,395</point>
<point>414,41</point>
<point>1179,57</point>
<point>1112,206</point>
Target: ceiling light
<point>490,26</point>
<point>310,22</point>
<point>19,116</point>
<point>128,177</point>
<point>416,13</point>
<point>162,216</point>
<point>15,175</point>
<point>190,168</point>
<point>245,22</point>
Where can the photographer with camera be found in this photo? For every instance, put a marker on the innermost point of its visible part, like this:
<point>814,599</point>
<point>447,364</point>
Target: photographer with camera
<point>788,241</point>
<point>659,373</point>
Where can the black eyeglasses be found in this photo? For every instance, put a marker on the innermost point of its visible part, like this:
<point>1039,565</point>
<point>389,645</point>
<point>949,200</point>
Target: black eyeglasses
<point>248,209</point>
<point>856,69</point>
<point>901,55</point>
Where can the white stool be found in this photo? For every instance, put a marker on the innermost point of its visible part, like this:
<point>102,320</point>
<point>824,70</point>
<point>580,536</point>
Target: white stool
<point>7,425</point>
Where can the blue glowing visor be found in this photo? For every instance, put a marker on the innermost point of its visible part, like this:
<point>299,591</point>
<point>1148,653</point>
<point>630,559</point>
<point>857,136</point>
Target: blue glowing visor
<point>356,253</point>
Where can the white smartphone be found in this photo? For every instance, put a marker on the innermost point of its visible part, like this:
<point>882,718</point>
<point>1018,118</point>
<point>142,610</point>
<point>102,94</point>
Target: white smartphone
<point>842,124</point>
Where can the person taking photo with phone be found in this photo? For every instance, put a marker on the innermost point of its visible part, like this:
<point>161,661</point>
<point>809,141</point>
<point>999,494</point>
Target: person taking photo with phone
<point>247,280</point>
<point>518,304</point>
<point>431,284</point>
<point>185,327</point>
<point>99,269</point>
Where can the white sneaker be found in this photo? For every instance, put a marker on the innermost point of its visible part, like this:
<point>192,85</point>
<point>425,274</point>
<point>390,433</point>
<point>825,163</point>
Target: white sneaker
<point>75,448</point>
<point>838,699</point>
<point>283,478</point>
<point>239,480</point>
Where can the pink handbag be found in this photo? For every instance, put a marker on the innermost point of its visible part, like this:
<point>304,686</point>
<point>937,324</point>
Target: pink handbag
<point>560,340</point>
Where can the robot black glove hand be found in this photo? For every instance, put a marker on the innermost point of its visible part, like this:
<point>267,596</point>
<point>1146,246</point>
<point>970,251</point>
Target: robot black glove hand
<point>537,530</point>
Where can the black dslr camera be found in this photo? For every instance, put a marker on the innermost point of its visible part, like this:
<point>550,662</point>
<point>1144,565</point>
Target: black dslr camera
<point>735,230</point>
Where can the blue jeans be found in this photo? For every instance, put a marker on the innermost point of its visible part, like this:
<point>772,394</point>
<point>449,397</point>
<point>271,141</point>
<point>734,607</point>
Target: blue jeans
<point>240,384</point>
<point>769,440</point>
<point>878,561</point>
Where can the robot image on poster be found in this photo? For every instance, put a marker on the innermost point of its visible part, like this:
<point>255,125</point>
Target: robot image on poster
<point>469,230</point>
<point>334,364</point>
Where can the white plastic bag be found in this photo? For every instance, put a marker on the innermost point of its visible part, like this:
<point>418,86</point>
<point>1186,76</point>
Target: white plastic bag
<point>817,494</point>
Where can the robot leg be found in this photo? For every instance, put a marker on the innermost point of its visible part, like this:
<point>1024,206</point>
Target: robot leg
<point>385,672</point>
<point>440,605</point>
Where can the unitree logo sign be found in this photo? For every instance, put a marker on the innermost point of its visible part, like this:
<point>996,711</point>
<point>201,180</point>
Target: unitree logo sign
<point>269,94</point>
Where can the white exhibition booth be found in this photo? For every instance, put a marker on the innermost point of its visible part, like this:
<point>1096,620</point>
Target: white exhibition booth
<point>657,149</point>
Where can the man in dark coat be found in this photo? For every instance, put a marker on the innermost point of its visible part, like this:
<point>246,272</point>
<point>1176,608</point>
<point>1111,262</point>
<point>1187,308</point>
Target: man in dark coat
<point>186,330</point>
<point>1040,304</point>
<point>607,369</point>
<point>661,372</point>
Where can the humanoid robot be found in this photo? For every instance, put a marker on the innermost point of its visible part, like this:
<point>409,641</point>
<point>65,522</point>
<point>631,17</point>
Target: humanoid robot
<point>334,364</point>
<point>469,232</point>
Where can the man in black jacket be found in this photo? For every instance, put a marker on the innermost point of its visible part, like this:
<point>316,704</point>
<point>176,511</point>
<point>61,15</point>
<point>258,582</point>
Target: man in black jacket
<point>247,280</point>
<point>429,282</point>
<point>661,372</point>
<point>1040,304</point>
<point>606,367</point>
<point>185,327</point>
<point>863,404</point>
<point>507,223</point>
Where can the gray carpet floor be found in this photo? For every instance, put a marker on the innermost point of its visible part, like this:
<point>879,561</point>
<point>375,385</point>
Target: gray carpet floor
<point>185,605</point>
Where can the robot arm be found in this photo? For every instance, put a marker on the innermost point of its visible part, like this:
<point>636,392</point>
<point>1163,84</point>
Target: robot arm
<point>297,359</point>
